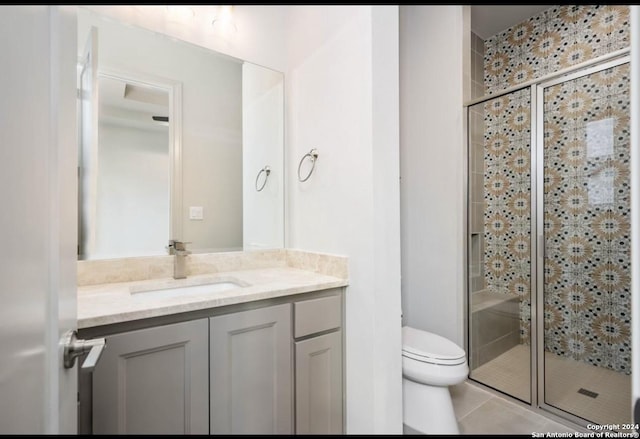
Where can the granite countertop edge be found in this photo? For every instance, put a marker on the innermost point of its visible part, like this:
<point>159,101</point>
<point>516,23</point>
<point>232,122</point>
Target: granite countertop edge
<point>106,304</point>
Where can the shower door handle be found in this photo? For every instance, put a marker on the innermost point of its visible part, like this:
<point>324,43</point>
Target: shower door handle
<point>542,247</point>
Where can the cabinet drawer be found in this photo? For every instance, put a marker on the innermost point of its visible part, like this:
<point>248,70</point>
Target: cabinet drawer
<point>317,315</point>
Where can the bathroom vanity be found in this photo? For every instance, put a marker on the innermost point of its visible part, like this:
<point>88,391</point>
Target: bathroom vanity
<point>189,144</point>
<point>263,355</point>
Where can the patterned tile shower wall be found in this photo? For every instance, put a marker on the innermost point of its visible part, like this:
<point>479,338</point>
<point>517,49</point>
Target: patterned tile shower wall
<point>507,189</point>
<point>558,37</point>
<point>587,219</point>
<point>586,318</point>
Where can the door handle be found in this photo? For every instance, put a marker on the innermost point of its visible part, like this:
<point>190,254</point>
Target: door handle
<point>75,347</point>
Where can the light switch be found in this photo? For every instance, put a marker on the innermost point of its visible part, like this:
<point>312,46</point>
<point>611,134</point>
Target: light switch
<point>196,212</point>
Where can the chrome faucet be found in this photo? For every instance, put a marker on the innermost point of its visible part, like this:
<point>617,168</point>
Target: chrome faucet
<point>179,250</point>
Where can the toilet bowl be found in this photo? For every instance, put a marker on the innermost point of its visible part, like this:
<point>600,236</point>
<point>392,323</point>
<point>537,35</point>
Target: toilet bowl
<point>430,363</point>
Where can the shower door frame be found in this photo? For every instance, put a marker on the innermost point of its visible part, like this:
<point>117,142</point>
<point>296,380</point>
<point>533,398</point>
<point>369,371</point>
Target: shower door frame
<point>537,239</point>
<point>537,103</point>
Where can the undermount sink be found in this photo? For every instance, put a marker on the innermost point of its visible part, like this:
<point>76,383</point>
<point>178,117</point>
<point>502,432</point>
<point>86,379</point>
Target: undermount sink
<point>185,287</point>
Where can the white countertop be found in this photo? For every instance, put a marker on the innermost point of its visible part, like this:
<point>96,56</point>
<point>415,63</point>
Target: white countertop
<point>115,303</point>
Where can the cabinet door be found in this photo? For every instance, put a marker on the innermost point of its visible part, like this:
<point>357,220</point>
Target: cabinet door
<point>251,373</point>
<point>154,381</point>
<point>319,385</point>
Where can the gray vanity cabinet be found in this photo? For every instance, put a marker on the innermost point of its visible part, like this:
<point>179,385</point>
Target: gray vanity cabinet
<point>318,374</point>
<point>319,385</point>
<point>154,381</point>
<point>228,371</point>
<point>251,372</point>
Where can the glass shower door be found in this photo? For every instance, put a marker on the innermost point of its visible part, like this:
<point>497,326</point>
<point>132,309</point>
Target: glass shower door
<point>586,251</point>
<point>499,237</point>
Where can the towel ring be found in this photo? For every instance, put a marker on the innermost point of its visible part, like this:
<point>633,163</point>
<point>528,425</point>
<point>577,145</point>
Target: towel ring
<point>266,170</point>
<point>313,155</point>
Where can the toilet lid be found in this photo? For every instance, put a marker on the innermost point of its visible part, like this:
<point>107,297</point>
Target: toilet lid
<point>419,343</point>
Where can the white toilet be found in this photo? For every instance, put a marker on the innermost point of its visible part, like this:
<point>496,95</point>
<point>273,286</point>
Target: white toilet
<point>430,363</point>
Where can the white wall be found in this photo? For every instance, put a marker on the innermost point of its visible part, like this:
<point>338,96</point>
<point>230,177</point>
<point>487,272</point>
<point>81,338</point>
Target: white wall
<point>342,95</point>
<point>260,39</point>
<point>133,191</point>
<point>432,164</point>
<point>263,145</point>
<point>211,122</point>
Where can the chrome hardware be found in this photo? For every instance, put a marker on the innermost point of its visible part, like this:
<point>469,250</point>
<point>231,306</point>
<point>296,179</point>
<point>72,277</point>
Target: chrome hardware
<point>313,155</point>
<point>266,170</point>
<point>74,347</point>
<point>177,247</point>
<point>179,250</point>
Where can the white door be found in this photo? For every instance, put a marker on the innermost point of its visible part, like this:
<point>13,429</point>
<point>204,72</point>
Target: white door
<point>38,217</point>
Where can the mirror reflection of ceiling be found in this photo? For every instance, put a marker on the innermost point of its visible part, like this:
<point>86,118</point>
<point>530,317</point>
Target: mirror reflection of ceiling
<point>488,20</point>
<point>132,105</point>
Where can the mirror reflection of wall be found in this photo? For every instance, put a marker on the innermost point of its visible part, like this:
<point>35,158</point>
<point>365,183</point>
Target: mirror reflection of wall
<point>132,215</point>
<point>213,172</point>
<point>262,138</point>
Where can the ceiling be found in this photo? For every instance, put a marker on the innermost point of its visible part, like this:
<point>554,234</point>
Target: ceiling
<point>488,20</point>
<point>131,105</point>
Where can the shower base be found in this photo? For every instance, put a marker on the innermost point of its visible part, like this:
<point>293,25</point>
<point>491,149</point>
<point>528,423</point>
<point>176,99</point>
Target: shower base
<point>565,377</point>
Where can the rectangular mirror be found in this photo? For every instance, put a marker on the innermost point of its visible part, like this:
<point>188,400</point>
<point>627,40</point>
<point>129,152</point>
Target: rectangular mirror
<point>176,142</point>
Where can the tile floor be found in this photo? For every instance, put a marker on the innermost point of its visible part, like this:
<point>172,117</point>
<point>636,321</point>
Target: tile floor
<point>564,377</point>
<point>482,412</point>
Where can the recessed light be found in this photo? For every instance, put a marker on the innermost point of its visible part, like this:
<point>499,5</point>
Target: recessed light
<point>223,21</point>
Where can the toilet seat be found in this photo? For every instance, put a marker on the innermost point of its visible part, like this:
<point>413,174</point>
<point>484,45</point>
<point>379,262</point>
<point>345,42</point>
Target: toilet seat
<point>430,348</point>
<point>429,360</point>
